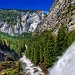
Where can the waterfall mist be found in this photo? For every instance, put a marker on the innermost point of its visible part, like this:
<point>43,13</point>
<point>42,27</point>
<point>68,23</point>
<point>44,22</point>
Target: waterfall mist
<point>66,63</point>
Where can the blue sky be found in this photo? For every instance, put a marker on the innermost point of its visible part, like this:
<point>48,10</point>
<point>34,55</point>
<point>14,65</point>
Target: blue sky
<point>26,4</point>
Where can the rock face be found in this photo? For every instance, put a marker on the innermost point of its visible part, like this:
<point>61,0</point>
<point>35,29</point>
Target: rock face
<point>15,22</point>
<point>6,54</point>
<point>62,11</point>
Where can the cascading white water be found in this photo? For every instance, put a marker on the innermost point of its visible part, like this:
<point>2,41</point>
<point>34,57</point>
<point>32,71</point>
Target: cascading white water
<point>65,64</point>
<point>29,68</point>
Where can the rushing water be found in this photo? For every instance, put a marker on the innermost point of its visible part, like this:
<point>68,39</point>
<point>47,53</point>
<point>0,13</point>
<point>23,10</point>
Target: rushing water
<point>29,68</point>
<point>65,64</point>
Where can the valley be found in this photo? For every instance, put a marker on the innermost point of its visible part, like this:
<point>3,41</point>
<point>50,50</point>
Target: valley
<point>33,42</point>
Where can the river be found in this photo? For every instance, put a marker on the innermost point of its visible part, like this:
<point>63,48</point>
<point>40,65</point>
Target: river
<point>29,68</point>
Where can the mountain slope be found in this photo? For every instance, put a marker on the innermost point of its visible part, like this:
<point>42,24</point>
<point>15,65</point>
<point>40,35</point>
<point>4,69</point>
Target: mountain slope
<point>15,22</point>
<point>62,11</point>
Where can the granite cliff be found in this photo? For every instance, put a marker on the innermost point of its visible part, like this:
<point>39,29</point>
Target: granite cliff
<point>62,11</point>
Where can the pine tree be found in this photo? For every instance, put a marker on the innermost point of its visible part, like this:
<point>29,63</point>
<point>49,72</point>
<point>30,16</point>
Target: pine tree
<point>62,39</point>
<point>41,53</point>
<point>35,54</point>
<point>46,57</point>
<point>49,49</point>
<point>32,52</point>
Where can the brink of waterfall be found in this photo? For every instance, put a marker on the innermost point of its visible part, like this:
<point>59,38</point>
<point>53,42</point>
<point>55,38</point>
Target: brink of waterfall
<point>66,63</point>
<point>29,68</point>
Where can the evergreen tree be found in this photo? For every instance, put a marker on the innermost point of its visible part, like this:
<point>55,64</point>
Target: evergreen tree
<point>46,57</point>
<point>29,48</point>
<point>49,45</point>
<point>71,37</point>
<point>41,52</point>
<point>62,39</point>
<point>35,54</point>
<point>32,52</point>
<point>51,48</point>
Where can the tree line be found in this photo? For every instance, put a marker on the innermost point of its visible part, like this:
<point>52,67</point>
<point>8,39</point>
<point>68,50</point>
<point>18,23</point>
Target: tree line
<point>16,43</point>
<point>44,48</point>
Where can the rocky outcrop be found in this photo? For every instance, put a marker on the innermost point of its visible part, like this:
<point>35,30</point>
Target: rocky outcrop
<point>26,21</point>
<point>6,54</point>
<point>62,11</point>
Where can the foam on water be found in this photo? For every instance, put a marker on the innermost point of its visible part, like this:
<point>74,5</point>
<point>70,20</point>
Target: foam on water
<point>29,68</point>
<point>65,64</point>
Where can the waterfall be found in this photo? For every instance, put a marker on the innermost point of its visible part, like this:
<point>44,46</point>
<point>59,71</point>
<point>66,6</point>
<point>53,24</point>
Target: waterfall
<point>66,63</point>
<point>29,68</point>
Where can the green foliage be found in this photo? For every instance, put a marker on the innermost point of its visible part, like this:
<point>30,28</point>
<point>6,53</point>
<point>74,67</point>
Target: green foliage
<point>44,47</point>
<point>62,40</point>
<point>9,16</point>
<point>36,53</point>
<point>16,43</point>
<point>41,48</point>
<point>49,46</point>
<point>71,37</point>
<point>12,17</point>
<point>41,51</point>
<point>10,68</point>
